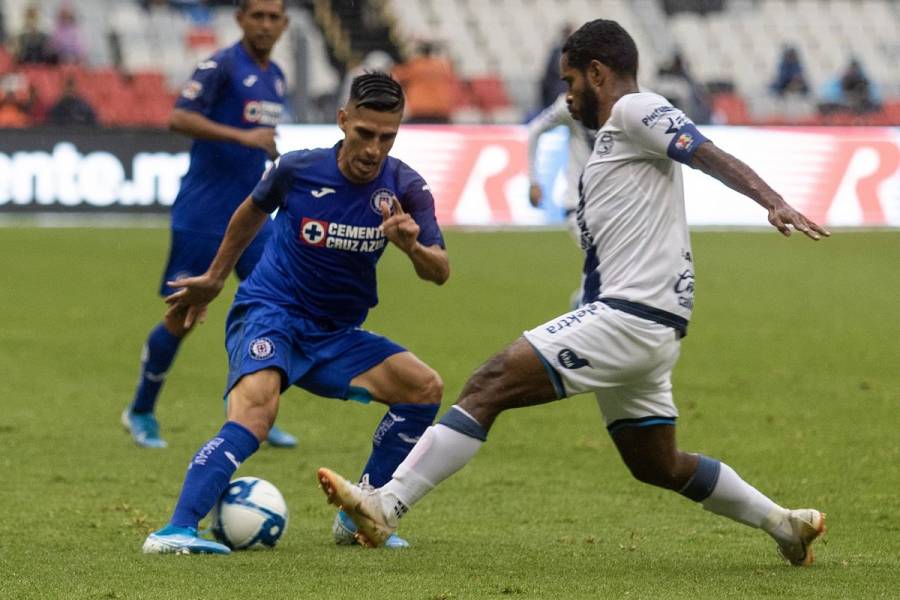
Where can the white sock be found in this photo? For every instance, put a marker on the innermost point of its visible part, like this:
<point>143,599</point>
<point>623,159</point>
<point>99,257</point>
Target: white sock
<point>439,453</point>
<point>738,500</point>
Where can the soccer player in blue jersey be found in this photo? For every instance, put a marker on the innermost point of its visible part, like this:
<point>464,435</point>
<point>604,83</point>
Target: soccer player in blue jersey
<point>296,320</point>
<point>230,107</point>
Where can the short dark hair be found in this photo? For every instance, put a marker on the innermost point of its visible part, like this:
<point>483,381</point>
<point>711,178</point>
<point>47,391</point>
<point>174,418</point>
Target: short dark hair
<point>605,41</point>
<point>378,91</point>
<point>243,5</point>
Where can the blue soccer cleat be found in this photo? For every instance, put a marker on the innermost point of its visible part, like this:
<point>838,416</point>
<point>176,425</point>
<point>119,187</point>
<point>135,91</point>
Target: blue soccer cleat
<point>180,540</point>
<point>280,439</point>
<point>144,429</point>
<point>344,532</point>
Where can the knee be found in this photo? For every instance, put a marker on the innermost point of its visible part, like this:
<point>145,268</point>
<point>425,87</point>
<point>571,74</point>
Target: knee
<point>429,389</point>
<point>659,473</point>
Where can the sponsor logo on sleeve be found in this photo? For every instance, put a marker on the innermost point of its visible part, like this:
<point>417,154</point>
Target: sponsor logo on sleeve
<point>654,117</point>
<point>192,89</point>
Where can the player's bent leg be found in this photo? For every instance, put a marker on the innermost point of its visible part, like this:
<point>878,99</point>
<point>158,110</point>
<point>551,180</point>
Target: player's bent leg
<point>652,456</point>
<point>515,377</point>
<point>252,407</point>
<point>412,390</point>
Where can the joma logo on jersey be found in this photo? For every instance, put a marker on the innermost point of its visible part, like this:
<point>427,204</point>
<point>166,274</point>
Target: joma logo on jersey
<point>262,112</point>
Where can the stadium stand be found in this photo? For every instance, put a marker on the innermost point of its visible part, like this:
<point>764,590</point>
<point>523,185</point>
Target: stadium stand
<point>138,57</point>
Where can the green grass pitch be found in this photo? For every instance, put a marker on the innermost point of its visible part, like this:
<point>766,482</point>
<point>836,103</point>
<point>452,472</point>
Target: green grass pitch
<point>790,373</point>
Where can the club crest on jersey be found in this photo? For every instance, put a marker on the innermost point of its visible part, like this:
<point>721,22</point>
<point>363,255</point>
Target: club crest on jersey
<point>382,195</point>
<point>313,232</point>
<point>261,349</point>
<point>604,143</point>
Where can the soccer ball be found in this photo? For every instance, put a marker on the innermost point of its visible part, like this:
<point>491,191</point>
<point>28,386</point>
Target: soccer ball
<point>251,513</point>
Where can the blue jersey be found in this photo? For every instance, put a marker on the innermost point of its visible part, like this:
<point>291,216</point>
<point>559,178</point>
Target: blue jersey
<point>232,89</point>
<point>320,261</point>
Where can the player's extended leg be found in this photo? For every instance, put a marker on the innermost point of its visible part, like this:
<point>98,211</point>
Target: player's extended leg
<point>156,358</point>
<point>513,378</point>
<point>652,456</point>
<point>252,407</point>
<point>412,390</point>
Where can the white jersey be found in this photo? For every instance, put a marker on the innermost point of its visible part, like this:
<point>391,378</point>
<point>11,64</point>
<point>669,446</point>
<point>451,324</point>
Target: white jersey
<point>581,141</point>
<point>631,211</point>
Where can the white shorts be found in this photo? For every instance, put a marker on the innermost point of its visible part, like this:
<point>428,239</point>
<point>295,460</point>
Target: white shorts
<point>625,360</point>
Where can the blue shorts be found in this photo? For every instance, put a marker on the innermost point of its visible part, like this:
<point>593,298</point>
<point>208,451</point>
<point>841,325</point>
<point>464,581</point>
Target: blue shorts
<point>260,336</point>
<point>190,254</point>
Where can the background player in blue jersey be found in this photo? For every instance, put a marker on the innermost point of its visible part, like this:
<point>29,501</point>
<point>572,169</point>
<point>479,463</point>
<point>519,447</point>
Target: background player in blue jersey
<point>296,319</point>
<point>230,107</point>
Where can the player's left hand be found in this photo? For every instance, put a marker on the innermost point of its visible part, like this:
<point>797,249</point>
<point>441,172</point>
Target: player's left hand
<point>193,296</point>
<point>783,217</point>
<point>399,228</point>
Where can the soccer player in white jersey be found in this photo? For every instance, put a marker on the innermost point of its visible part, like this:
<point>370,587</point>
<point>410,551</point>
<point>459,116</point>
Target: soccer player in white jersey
<point>623,342</point>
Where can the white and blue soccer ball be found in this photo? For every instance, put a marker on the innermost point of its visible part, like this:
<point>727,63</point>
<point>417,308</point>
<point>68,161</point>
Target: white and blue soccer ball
<point>250,514</point>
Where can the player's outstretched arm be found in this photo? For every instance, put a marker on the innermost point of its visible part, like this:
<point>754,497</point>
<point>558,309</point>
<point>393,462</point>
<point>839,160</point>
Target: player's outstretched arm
<point>431,262</point>
<point>197,126</point>
<point>737,175</point>
<point>195,293</point>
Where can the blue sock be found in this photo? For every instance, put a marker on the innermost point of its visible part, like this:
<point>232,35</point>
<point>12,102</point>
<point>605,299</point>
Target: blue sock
<point>395,436</point>
<point>210,472</point>
<point>157,357</point>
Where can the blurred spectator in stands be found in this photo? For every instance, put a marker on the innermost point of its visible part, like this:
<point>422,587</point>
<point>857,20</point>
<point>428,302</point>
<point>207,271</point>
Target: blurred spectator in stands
<point>790,77</point>
<point>376,60</point>
<point>34,107</point>
<point>551,85</point>
<point>859,93</point>
<point>33,45</point>
<point>2,29</point>
<point>850,91</point>
<point>430,85</point>
<point>675,83</point>
<point>71,108</point>
<point>12,113</point>
<point>66,39</point>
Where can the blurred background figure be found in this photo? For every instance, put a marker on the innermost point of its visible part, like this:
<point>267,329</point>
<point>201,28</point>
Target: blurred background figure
<point>790,77</point>
<point>32,45</point>
<point>71,108</point>
<point>66,41</point>
<point>675,83</point>
<point>858,90</point>
<point>430,85</point>
<point>551,85</point>
<point>12,114</point>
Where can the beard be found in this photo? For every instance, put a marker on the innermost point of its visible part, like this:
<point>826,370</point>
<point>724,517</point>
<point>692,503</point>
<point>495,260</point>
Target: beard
<point>590,106</point>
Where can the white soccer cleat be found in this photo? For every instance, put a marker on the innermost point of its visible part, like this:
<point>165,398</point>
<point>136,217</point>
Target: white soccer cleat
<point>362,505</point>
<point>807,525</point>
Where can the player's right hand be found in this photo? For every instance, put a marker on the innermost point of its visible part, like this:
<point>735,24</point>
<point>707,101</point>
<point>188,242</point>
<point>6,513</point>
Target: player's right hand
<point>262,138</point>
<point>535,194</point>
<point>192,296</point>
